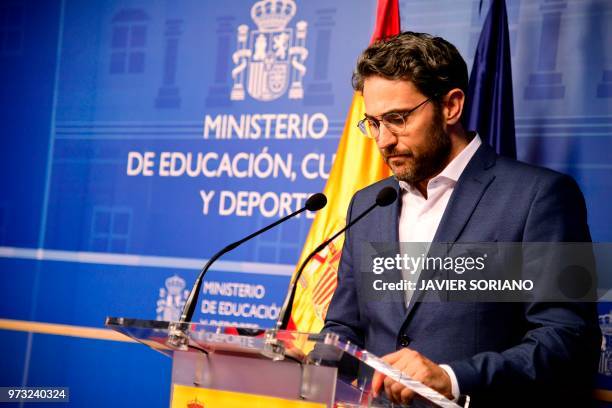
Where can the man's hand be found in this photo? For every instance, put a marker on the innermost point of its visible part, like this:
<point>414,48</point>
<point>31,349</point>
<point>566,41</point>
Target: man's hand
<point>416,366</point>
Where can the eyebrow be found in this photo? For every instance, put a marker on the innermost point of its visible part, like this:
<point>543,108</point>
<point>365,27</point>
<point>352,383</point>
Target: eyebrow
<point>387,112</point>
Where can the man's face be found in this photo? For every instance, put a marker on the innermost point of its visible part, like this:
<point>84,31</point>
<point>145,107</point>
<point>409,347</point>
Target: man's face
<point>422,149</point>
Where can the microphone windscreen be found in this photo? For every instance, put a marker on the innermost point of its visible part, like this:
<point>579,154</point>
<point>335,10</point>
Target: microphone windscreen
<point>316,202</point>
<point>386,196</point>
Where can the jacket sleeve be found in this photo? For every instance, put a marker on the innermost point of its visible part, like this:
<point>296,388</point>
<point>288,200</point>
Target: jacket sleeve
<point>561,346</point>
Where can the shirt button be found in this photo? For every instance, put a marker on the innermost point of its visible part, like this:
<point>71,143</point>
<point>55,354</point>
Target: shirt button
<point>404,340</point>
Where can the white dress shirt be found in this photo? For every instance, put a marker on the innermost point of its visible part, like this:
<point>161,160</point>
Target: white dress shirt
<point>419,217</point>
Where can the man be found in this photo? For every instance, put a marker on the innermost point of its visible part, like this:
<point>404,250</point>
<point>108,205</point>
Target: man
<point>454,188</point>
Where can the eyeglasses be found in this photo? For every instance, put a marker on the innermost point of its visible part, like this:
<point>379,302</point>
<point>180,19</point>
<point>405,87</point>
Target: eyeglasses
<point>395,122</point>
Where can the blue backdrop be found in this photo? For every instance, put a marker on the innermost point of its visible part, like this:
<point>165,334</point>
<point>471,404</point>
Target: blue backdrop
<point>104,103</point>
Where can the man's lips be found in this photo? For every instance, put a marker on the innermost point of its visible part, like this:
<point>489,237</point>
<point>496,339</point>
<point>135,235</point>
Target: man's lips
<point>398,156</point>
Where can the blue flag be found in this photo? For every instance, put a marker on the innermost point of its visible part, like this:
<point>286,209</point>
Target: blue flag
<point>490,105</point>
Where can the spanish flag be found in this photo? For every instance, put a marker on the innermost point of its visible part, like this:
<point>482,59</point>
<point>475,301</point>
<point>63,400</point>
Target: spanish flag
<point>358,164</point>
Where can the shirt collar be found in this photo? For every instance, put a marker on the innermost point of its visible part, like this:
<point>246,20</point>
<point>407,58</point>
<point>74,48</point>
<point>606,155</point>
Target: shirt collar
<point>454,169</point>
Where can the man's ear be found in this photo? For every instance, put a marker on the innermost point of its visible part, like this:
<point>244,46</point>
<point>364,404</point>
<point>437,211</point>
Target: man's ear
<point>452,106</point>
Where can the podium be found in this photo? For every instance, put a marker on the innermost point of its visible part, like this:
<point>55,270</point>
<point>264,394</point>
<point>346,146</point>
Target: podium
<point>214,366</point>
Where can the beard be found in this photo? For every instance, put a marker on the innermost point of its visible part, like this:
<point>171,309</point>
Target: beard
<point>424,162</point>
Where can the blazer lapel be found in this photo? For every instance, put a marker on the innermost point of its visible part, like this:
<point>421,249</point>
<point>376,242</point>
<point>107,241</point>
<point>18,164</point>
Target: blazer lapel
<point>465,198</point>
<point>387,233</point>
<point>469,190</point>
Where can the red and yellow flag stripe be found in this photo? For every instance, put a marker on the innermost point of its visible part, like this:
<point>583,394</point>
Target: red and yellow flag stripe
<point>357,165</point>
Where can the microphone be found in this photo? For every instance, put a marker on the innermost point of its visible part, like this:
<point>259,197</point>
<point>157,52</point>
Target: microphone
<point>314,203</point>
<point>385,197</point>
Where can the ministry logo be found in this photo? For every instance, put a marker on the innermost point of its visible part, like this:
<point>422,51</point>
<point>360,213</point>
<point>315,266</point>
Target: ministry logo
<point>271,56</point>
<point>171,299</point>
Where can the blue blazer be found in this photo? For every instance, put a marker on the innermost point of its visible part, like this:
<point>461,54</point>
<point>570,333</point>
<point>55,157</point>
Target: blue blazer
<point>515,354</point>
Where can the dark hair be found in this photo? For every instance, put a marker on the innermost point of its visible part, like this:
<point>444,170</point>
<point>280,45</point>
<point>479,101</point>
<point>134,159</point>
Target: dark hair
<point>431,63</point>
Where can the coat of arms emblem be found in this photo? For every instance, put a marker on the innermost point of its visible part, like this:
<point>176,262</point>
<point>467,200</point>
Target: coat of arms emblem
<point>268,58</point>
<point>172,299</point>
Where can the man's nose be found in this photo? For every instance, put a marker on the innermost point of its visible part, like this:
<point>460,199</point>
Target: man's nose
<point>385,137</point>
